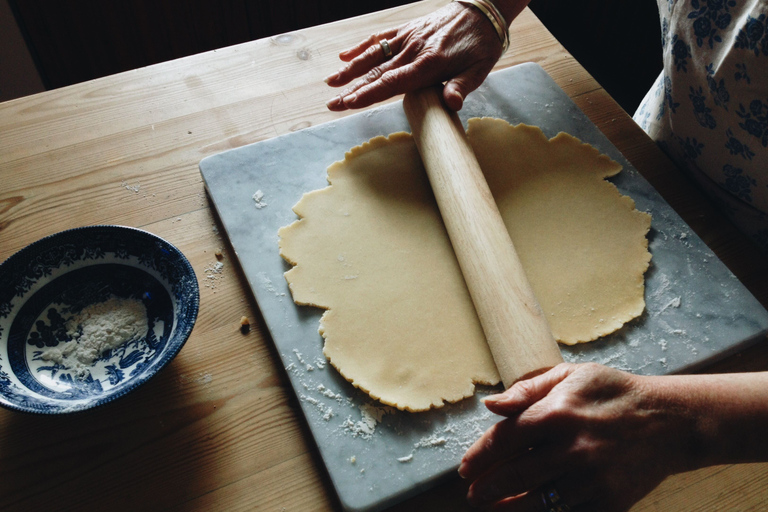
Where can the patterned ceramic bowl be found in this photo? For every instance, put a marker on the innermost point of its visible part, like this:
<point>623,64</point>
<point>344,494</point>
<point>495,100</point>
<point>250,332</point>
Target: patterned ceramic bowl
<point>61,317</point>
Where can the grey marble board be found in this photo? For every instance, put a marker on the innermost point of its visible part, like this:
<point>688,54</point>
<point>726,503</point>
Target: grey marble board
<point>697,311</point>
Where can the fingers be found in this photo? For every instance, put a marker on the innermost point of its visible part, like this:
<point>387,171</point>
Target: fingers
<point>453,96</point>
<point>366,61</point>
<point>380,84</point>
<point>530,470</point>
<point>515,434</point>
<point>362,46</point>
<point>449,43</point>
<point>379,77</point>
<point>506,439</point>
<point>457,88</point>
<point>527,392</point>
<point>367,56</point>
<point>400,75</point>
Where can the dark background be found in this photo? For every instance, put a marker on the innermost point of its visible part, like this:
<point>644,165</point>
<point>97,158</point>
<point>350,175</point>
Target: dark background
<point>77,40</point>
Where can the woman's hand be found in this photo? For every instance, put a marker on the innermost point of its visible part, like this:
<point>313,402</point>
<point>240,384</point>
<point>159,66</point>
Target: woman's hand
<point>599,438</point>
<point>456,44</point>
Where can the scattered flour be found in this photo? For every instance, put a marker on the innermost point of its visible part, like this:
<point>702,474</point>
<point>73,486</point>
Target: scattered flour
<point>268,285</point>
<point>662,288</point>
<point>97,329</point>
<point>214,273</point>
<point>431,441</point>
<point>305,364</point>
<point>330,394</point>
<point>453,439</point>
<point>133,188</point>
<point>366,426</point>
<point>674,303</point>
<point>327,412</point>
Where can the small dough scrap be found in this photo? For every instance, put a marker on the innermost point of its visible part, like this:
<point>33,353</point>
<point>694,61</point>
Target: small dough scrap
<point>371,249</point>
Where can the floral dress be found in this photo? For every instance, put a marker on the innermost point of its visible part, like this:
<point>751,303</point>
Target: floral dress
<point>708,110</point>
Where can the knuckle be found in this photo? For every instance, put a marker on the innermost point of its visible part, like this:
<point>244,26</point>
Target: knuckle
<point>412,47</point>
<point>389,80</point>
<point>372,51</point>
<point>430,57</point>
<point>373,75</point>
<point>561,406</point>
<point>373,39</point>
<point>525,388</point>
<point>560,412</point>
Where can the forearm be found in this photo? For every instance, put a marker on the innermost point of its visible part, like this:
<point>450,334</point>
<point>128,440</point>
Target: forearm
<point>725,415</point>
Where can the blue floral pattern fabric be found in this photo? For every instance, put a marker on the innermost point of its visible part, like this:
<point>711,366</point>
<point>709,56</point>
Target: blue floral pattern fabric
<point>708,109</point>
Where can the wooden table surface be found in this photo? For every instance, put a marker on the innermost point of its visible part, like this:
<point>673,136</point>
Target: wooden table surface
<point>219,428</point>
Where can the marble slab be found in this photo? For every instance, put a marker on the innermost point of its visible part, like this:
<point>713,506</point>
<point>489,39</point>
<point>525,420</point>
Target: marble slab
<point>697,311</point>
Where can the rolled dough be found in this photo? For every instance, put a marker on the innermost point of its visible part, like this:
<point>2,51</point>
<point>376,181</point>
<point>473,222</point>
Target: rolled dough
<point>371,249</point>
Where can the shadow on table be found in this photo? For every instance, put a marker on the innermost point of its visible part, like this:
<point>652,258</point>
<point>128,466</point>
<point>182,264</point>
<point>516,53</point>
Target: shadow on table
<point>133,454</point>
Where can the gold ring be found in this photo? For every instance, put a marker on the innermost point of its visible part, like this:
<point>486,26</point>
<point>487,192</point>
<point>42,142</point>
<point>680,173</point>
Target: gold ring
<point>386,48</point>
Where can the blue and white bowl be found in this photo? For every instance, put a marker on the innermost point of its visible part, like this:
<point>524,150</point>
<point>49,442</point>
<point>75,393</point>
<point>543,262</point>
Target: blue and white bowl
<point>48,282</point>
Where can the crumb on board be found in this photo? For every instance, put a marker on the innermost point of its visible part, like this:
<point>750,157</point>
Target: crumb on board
<point>245,325</point>
<point>258,199</point>
<point>219,254</point>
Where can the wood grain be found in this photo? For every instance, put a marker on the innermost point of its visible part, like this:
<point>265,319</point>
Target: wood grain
<point>219,428</point>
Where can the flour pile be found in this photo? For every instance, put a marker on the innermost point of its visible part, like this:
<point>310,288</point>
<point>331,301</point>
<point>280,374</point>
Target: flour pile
<point>97,329</point>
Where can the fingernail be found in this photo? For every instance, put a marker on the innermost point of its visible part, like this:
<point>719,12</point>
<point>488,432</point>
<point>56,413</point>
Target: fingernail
<point>463,470</point>
<point>493,398</point>
<point>332,77</point>
<point>334,103</point>
<point>346,100</point>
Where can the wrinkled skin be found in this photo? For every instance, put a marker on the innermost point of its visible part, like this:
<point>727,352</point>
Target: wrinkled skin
<point>596,434</point>
<point>454,44</point>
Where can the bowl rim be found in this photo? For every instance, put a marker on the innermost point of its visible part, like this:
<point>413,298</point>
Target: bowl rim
<point>191,299</point>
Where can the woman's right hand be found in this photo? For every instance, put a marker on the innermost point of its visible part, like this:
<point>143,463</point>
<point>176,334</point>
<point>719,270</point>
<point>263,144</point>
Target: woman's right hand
<point>596,438</point>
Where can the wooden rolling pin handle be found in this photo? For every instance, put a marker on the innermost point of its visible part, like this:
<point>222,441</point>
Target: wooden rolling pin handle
<point>518,335</point>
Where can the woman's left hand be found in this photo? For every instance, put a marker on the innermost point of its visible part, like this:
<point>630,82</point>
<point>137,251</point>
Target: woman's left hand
<point>579,438</point>
<point>454,44</point>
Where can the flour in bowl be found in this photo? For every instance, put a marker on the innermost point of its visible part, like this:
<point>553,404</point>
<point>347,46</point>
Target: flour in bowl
<point>97,329</point>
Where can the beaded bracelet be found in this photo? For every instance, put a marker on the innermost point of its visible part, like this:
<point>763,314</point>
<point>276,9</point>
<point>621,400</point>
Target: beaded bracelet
<point>494,16</point>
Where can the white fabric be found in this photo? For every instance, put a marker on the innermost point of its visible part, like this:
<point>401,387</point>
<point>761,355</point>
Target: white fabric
<point>708,110</point>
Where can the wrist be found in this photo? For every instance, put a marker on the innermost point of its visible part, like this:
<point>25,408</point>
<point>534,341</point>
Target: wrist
<point>670,422</point>
<point>510,9</point>
<point>720,418</point>
<point>494,16</point>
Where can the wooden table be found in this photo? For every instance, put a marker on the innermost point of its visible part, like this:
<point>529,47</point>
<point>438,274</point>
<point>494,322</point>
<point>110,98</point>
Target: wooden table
<point>220,429</point>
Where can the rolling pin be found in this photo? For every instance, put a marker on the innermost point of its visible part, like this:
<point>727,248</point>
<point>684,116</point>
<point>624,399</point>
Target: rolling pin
<point>515,327</point>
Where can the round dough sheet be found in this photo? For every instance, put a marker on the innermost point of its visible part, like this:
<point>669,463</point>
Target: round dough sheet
<point>371,249</point>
